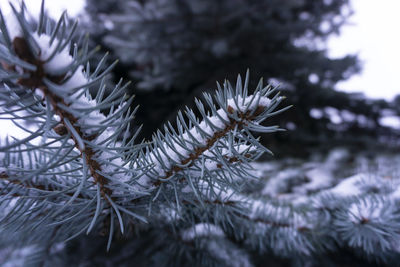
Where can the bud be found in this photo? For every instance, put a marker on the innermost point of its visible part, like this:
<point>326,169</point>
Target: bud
<point>60,129</point>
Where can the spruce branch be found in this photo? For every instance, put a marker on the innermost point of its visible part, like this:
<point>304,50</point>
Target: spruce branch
<point>68,122</point>
<point>199,151</point>
<point>177,151</point>
<point>74,173</point>
<point>35,80</point>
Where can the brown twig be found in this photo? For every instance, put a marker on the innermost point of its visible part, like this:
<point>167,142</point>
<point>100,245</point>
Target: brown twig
<point>35,80</point>
<point>244,117</point>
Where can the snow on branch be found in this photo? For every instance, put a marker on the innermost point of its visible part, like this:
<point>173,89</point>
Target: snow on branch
<point>220,138</point>
<point>73,154</point>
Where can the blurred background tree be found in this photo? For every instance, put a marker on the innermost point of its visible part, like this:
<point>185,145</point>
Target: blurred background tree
<point>175,49</point>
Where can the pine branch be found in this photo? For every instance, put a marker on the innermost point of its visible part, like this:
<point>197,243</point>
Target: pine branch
<point>225,130</point>
<point>29,186</point>
<point>234,203</point>
<point>34,81</point>
<point>199,151</point>
<point>49,178</point>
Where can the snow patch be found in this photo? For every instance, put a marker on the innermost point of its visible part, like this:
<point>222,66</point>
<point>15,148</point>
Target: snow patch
<point>390,121</point>
<point>202,230</point>
<point>278,183</point>
<point>283,85</point>
<point>366,209</point>
<point>169,214</point>
<point>348,116</point>
<point>319,178</point>
<point>249,103</point>
<point>349,186</point>
<point>77,79</point>
<point>316,113</point>
<point>60,60</point>
<point>333,115</point>
<point>230,255</point>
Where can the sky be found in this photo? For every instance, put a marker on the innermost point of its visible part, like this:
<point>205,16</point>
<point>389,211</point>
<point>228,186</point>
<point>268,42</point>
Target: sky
<point>373,33</point>
<point>55,7</point>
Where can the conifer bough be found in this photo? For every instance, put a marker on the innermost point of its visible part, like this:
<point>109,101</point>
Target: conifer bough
<point>80,171</point>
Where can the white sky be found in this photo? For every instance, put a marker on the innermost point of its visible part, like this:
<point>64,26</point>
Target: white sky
<point>55,7</point>
<point>373,33</point>
<point>375,37</point>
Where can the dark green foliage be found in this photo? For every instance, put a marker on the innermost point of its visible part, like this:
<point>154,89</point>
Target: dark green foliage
<point>175,49</point>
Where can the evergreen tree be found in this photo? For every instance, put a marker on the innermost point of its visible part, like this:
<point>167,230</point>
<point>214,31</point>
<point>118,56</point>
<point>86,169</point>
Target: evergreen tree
<point>182,199</point>
<point>176,49</point>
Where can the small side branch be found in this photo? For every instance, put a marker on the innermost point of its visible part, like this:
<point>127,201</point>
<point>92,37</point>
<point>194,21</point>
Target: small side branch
<point>29,186</point>
<point>35,80</point>
<point>244,117</point>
